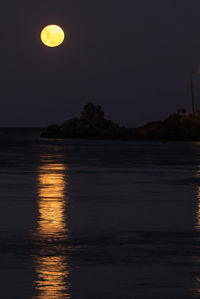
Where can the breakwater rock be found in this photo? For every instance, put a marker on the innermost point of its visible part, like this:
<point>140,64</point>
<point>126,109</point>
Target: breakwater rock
<point>92,124</point>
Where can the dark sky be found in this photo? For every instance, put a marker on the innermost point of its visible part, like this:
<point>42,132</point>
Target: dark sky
<point>134,58</point>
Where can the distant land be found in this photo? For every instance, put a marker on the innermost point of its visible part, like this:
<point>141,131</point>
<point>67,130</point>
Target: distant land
<point>92,124</point>
<point>25,129</point>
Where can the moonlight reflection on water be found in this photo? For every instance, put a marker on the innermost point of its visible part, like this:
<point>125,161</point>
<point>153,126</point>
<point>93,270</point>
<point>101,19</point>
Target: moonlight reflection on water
<point>50,263</point>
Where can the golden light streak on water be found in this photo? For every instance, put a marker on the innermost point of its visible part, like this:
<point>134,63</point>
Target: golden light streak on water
<point>51,268</point>
<point>196,290</point>
<point>198,210</point>
<point>52,273</point>
<point>52,185</point>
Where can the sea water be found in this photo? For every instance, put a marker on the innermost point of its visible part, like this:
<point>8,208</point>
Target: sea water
<point>98,219</point>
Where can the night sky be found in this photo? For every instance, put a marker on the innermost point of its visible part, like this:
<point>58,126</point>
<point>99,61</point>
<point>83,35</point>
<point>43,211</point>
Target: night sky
<point>135,58</point>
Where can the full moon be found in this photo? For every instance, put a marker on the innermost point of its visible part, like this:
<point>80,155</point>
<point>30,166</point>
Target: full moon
<point>52,36</point>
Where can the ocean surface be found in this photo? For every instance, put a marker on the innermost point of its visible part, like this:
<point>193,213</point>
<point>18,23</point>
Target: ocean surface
<point>98,219</point>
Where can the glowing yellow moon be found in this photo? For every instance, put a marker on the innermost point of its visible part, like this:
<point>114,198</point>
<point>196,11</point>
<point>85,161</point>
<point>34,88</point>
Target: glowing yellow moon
<point>52,36</point>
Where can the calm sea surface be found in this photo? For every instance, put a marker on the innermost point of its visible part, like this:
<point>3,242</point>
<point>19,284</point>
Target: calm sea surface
<point>98,219</point>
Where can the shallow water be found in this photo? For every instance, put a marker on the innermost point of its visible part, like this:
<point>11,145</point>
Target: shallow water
<point>98,219</point>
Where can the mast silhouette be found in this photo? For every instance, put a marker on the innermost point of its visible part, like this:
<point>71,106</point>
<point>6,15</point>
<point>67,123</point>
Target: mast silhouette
<point>192,90</point>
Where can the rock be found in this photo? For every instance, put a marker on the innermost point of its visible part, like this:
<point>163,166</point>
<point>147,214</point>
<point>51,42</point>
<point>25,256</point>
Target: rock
<point>91,123</point>
<point>173,128</point>
<point>92,115</point>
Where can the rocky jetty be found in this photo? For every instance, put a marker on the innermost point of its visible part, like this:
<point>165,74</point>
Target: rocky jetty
<point>91,123</point>
<point>173,128</point>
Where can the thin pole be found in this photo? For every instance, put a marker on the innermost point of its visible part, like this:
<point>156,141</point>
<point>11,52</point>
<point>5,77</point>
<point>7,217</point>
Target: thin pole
<point>192,90</point>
